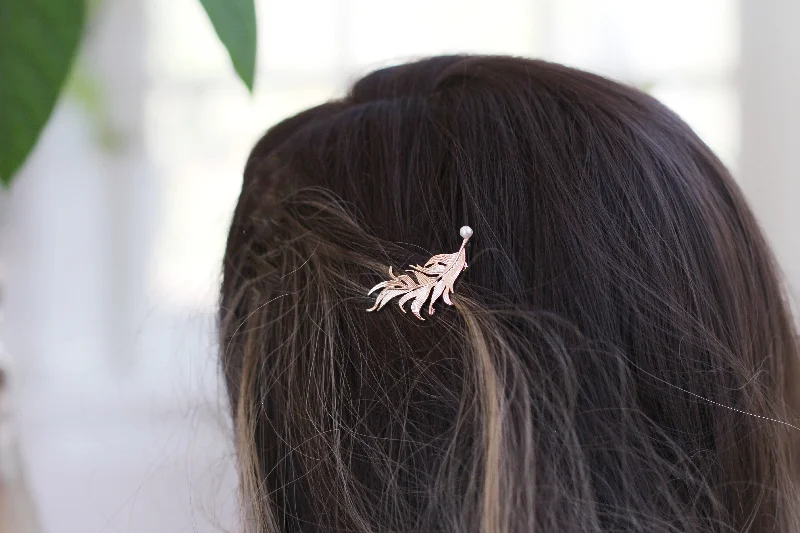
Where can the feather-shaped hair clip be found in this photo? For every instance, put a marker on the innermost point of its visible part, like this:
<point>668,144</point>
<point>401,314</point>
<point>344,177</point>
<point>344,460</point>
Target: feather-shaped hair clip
<point>435,279</point>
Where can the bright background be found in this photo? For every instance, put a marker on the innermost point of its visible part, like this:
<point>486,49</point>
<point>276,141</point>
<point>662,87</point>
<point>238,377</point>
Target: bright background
<point>112,235</point>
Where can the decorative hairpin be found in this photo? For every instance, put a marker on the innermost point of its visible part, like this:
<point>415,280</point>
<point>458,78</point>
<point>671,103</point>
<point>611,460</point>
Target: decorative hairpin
<point>437,276</point>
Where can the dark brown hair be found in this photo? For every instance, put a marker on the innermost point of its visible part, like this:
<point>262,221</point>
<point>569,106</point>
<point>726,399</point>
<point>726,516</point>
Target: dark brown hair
<point>619,354</point>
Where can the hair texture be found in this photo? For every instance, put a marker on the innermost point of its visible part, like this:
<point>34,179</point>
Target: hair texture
<point>620,353</point>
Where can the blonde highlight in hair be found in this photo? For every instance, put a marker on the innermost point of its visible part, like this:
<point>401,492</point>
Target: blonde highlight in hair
<point>617,353</point>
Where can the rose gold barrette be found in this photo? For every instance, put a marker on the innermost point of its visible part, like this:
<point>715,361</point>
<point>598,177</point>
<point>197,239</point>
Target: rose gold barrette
<point>437,276</point>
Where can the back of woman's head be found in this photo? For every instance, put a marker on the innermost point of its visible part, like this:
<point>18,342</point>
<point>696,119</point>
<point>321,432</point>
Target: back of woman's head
<point>619,354</point>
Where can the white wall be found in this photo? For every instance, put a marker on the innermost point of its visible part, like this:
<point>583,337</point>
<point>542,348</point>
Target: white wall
<point>770,86</point>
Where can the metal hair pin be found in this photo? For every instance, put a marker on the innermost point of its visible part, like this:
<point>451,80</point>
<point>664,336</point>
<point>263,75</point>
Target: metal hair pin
<point>435,278</point>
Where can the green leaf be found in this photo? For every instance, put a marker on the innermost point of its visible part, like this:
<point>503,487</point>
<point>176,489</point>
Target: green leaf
<point>235,23</point>
<point>38,40</point>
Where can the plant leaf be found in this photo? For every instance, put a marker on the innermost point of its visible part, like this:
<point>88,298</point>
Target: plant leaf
<point>38,41</point>
<point>235,24</point>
